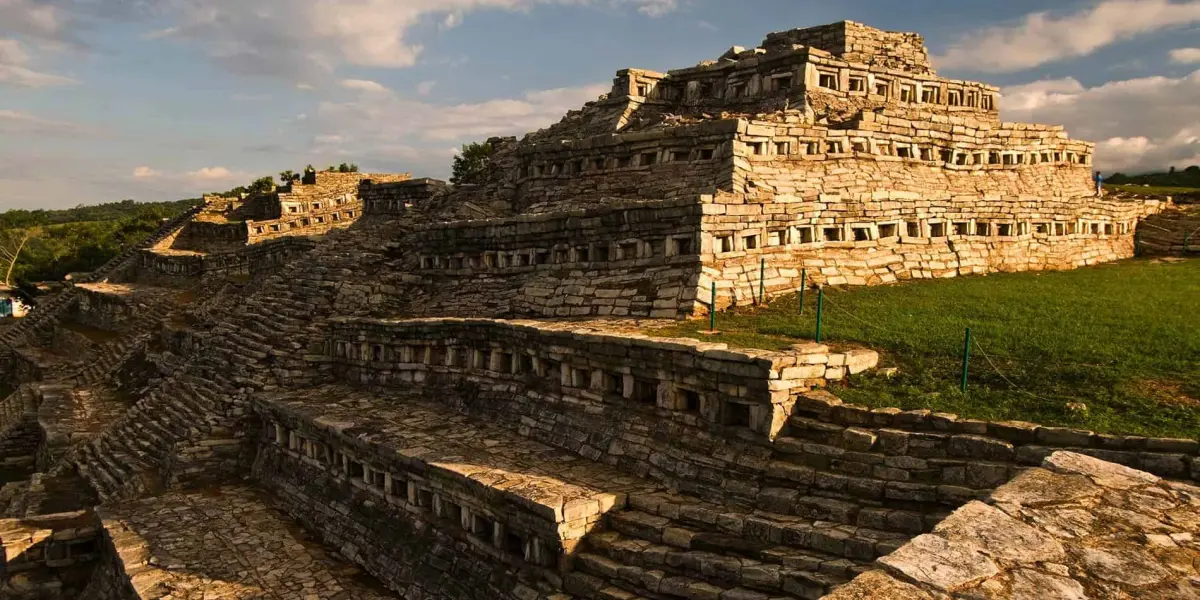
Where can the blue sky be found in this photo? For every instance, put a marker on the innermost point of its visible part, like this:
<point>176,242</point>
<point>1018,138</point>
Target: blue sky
<point>162,99</point>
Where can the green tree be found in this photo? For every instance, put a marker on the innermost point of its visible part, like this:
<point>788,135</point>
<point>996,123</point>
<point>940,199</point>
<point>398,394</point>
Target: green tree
<point>12,243</point>
<point>347,168</point>
<point>262,185</point>
<point>471,164</point>
<point>288,176</point>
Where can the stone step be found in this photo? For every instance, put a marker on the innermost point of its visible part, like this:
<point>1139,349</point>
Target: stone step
<point>722,570</point>
<point>652,583</point>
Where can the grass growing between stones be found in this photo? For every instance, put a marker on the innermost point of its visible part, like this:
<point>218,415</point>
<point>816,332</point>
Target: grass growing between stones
<point>1122,339</point>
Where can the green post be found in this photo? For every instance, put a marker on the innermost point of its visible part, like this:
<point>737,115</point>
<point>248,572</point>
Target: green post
<point>712,309</point>
<point>803,284</point>
<point>966,359</point>
<point>762,280</point>
<point>820,310</point>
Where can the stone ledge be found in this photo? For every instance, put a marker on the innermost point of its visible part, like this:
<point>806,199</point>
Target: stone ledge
<point>1076,528</point>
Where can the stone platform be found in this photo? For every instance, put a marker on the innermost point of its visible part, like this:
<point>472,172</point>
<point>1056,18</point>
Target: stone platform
<point>404,446</point>
<point>224,543</point>
<point>1078,528</point>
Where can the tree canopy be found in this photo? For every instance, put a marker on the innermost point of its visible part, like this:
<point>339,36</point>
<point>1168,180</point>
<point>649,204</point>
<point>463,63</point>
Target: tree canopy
<point>470,165</point>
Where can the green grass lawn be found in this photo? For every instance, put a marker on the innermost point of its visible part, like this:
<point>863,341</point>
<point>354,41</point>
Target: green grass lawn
<point>1122,338</point>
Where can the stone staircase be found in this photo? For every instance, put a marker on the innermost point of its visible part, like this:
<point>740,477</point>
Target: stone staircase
<point>17,407</point>
<point>135,453</point>
<point>114,353</point>
<point>669,546</point>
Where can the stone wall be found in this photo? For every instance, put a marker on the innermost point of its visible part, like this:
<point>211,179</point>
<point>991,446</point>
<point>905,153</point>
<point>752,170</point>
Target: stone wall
<point>855,42</point>
<point>897,236</point>
<point>411,543</point>
<point>396,198</point>
<point>255,261</point>
<point>947,156</point>
<point>694,415</point>
<point>580,173</point>
<point>1075,528</point>
<point>632,259</point>
<point>322,215</point>
<point>201,235</point>
<point>692,383</point>
<point>48,556</point>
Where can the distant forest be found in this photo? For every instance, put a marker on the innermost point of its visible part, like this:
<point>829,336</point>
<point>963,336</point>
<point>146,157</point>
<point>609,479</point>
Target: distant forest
<point>53,243</point>
<point>1189,177</point>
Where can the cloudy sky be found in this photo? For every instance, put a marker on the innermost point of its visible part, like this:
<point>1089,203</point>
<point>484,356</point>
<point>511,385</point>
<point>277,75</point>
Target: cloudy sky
<point>162,99</point>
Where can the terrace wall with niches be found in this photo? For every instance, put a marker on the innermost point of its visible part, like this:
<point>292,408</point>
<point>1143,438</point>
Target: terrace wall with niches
<point>630,259</point>
<point>897,236</point>
<point>420,530</point>
<point>587,172</point>
<point>690,414</point>
<point>950,157</point>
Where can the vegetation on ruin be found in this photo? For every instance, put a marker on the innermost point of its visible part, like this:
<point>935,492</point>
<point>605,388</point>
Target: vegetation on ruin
<point>471,163</point>
<point>78,239</point>
<point>1112,348</point>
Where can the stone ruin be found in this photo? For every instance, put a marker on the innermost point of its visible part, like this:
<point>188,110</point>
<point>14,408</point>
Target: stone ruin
<point>371,386</point>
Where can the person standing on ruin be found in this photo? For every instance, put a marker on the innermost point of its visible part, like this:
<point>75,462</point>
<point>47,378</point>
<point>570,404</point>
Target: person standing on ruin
<point>1099,185</point>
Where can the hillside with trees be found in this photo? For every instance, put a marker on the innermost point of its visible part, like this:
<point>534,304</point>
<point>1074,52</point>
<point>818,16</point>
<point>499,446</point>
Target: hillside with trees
<point>40,245</point>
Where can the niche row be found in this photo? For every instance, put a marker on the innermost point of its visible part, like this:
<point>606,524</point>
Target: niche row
<point>563,254</point>
<point>413,493</point>
<point>609,384</point>
<point>290,225</point>
<point>799,235</point>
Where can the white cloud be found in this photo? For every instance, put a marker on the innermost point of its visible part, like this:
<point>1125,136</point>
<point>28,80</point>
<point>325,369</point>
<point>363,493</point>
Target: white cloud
<point>300,38</point>
<point>364,85</point>
<point>1186,56</point>
<point>212,174</point>
<point>425,87</point>
<point>145,173</point>
<point>658,8</point>
<point>406,132</point>
<point>14,70</point>
<point>1148,123</point>
<point>38,20</point>
<point>1041,38</point>
<point>382,118</point>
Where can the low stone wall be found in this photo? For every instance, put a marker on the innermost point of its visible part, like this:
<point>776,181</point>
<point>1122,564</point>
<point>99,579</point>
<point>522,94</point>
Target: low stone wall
<point>397,198</point>
<point>48,556</point>
<point>941,457</point>
<point>1075,528</point>
<point>211,236</point>
<point>693,383</point>
<point>413,550</point>
<point>254,261</point>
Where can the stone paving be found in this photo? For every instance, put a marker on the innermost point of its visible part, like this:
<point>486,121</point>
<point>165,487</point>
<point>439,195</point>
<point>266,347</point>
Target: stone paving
<point>1078,528</point>
<point>225,543</point>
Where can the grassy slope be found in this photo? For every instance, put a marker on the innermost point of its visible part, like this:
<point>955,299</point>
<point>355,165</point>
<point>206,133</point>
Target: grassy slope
<point>1124,339</point>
